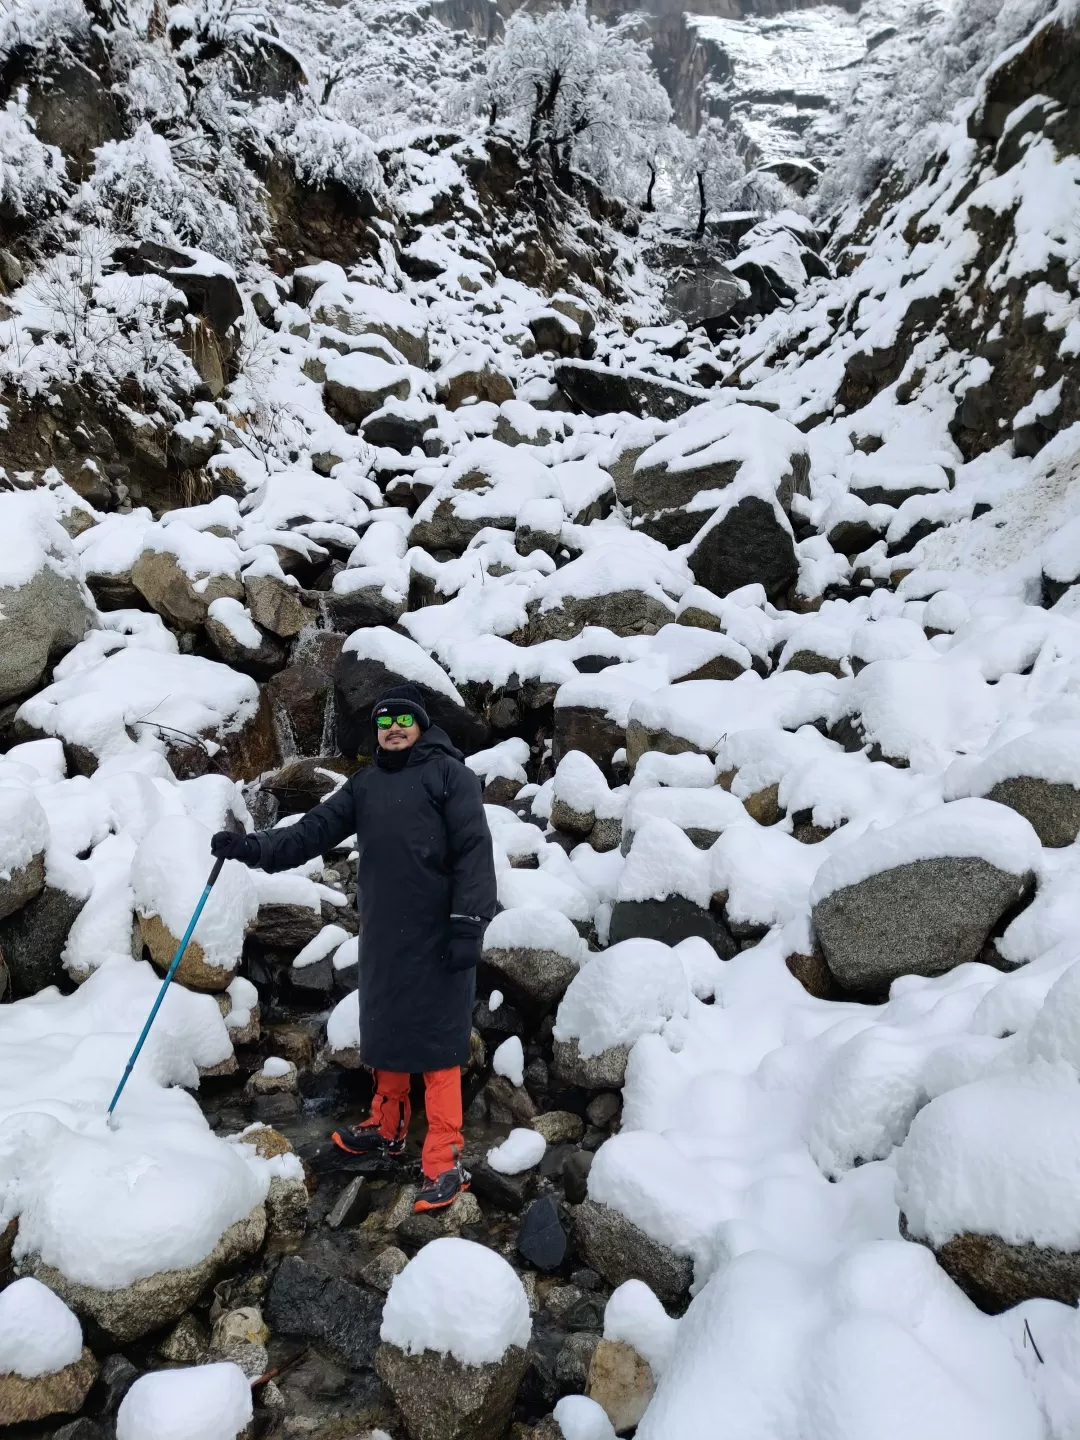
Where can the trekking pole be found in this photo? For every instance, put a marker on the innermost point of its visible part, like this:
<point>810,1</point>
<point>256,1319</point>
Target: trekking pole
<point>214,873</point>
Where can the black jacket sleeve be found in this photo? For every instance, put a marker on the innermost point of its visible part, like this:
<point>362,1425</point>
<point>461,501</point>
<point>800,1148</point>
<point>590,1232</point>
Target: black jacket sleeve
<point>319,831</point>
<point>471,859</point>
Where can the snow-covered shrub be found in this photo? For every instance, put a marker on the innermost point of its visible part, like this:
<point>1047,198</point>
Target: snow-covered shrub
<point>186,190</point>
<point>31,174</point>
<point>325,150</point>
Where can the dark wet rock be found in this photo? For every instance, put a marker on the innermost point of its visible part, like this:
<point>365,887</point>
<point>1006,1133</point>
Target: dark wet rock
<point>620,1251</point>
<point>301,784</point>
<point>542,1239</point>
<point>505,1192</point>
<point>352,1205</point>
<point>575,1177</point>
<point>359,682</point>
<point>575,1357</point>
<point>596,390</point>
<point>752,544</point>
<point>670,920</point>
<point>306,1303</point>
<point>33,938</point>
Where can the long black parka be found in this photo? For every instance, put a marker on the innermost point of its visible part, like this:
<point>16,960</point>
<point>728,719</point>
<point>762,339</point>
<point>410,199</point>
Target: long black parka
<point>424,854</point>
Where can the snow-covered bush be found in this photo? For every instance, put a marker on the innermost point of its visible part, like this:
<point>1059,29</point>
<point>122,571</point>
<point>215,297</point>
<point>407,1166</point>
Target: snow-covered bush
<point>31,174</point>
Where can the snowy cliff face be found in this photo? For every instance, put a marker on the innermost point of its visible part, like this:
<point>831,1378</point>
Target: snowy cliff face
<point>765,650</point>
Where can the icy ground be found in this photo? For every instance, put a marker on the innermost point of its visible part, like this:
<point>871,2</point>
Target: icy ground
<point>774,688</point>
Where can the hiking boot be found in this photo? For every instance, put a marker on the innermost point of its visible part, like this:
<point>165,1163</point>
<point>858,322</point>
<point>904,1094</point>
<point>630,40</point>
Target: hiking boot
<point>367,1141</point>
<point>437,1194</point>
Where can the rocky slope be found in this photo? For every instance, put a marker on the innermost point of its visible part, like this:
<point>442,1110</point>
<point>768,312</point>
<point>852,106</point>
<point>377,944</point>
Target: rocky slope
<point>764,648</point>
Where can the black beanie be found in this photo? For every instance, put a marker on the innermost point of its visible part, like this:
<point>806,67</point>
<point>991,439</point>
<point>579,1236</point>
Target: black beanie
<point>400,698</point>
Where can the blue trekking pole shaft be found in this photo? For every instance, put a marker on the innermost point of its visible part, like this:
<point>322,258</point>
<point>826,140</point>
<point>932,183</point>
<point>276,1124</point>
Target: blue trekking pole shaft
<point>214,873</point>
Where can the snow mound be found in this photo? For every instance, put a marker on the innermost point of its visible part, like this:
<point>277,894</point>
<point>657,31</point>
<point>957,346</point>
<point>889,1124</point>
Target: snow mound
<point>635,1316</point>
<point>343,1026</point>
<point>206,1402</point>
<point>520,1151</point>
<point>630,990</point>
<point>1051,755</point>
<point>108,1207</point>
<point>999,1157</point>
<point>38,1333</point>
<point>24,829</point>
<point>460,1299</point>
<point>509,1060</point>
<point>580,1418</point>
<point>964,828</point>
<point>168,874</point>
<point>528,929</point>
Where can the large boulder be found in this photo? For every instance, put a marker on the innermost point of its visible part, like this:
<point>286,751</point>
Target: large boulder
<point>375,659</point>
<point>537,951</point>
<point>63,1392</point>
<point>357,309</point>
<point>44,608</point>
<point>922,896</point>
<point>986,1179</point>
<point>359,383</point>
<point>747,544</point>
<point>442,1399</point>
<point>131,1311</point>
<point>619,1250</point>
<point>24,834</point>
<point>596,390</point>
<point>1037,775</point>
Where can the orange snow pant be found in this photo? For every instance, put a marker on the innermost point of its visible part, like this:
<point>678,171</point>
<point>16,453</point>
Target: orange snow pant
<point>442,1103</point>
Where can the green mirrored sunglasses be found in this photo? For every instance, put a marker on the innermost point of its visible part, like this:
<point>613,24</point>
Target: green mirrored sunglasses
<point>384,722</point>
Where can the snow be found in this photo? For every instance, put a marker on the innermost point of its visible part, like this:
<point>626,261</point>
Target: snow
<point>580,1418</point>
<point>24,830</point>
<point>457,1298</point>
<point>329,941</point>
<point>168,874</point>
<point>520,1151</point>
<point>38,1333</point>
<point>205,1402</point>
<point>635,1316</point>
<point>156,696</point>
<point>107,1207</point>
<point>495,999</point>
<point>1051,755</point>
<point>624,992</point>
<point>33,539</point>
<point>509,1060</point>
<point>977,828</point>
<point>343,1025</point>
<point>402,657</point>
<point>274,1067</point>
<point>535,929</point>
<point>997,1157</point>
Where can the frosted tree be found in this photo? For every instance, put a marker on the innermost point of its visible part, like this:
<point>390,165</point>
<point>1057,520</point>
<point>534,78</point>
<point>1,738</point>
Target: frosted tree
<point>578,93</point>
<point>724,179</point>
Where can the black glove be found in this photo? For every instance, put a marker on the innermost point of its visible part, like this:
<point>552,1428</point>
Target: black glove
<point>466,943</point>
<point>227,846</point>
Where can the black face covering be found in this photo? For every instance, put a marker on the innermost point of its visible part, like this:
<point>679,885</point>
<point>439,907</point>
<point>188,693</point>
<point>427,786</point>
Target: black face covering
<point>392,759</point>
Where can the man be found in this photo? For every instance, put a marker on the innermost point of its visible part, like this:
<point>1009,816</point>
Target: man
<point>425,892</point>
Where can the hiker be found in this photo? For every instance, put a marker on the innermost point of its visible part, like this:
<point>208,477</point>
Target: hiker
<point>425,892</point>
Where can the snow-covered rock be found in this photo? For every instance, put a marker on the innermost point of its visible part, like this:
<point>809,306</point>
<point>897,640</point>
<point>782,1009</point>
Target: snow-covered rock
<point>206,1402</point>
<point>923,895</point>
<point>455,1327</point>
<point>45,608</point>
